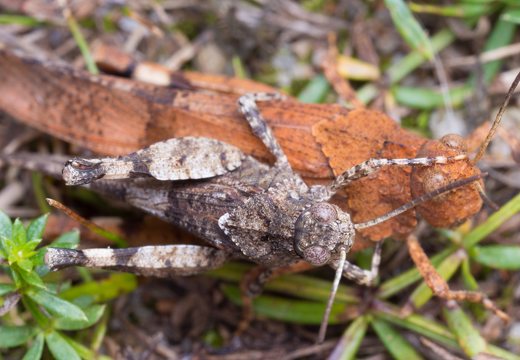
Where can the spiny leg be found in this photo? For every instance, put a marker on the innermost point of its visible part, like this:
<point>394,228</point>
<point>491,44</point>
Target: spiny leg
<point>439,286</point>
<point>253,283</point>
<point>173,159</point>
<point>362,276</point>
<point>352,272</point>
<point>158,261</point>
<point>368,167</point>
<point>248,107</point>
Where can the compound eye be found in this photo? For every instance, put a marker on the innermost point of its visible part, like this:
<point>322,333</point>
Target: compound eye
<point>316,255</point>
<point>80,165</point>
<point>80,172</point>
<point>454,141</point>
<point>434,181</point>
<point>324,213</point>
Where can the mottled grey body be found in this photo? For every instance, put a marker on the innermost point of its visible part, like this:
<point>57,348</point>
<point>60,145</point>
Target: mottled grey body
<point>173,159</point>
<point>241,207</point>
<point>238,205</point>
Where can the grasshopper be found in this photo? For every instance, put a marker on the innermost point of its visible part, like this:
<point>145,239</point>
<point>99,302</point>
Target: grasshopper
<point>321,141</point>
<point>243,208</point>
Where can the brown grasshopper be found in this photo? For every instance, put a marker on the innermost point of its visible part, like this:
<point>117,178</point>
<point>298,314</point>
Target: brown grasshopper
<point>113,116</point>
<point>241,207</point>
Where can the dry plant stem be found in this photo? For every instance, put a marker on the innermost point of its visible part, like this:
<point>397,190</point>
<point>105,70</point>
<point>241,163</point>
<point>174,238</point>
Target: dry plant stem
<point>438,285</point>
<point>438,350</point>
<point>498,118</point>
<point>76,217</point>
<point>330,70</point>
<point>485,57</point>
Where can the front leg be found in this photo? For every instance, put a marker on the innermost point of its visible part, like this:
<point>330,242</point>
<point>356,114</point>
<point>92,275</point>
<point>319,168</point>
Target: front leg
<point>369,166</point>
<point>362,276</point>
<point>159,261</point>
<point>173,159</point>
<point>248,107</point>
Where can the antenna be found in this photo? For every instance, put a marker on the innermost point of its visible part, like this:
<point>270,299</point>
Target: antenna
<point>419,200</point>
<point>330,302</point>
<point>343,251</point>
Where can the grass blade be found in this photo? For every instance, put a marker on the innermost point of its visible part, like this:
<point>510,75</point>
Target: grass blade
<point>411,31</point>
<point>349,344</point>
<point>396,344</point>
<point>396,284</point>
<point>293,311</point>
<point>467,335</point>
<point>504,257</point>
<point>422,294</point>
<point>315,91</point>
<point>492,223</point>
<point>301,286</point>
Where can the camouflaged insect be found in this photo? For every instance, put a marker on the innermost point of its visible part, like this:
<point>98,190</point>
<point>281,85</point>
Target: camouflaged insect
<point>241,207</point>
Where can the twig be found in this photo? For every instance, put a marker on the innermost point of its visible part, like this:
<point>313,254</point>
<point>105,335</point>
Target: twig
<point>330,70</point>
<point>86,223</point>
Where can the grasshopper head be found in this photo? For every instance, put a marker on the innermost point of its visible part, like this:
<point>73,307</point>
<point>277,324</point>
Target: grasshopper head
<point>321,231</point>
<point>82,171</point>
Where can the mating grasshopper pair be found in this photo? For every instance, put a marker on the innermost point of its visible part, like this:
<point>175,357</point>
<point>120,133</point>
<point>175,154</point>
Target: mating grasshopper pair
<point>241,207</point>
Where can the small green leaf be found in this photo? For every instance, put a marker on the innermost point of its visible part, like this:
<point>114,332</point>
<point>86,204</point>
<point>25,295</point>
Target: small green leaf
<point>6,245</point>
<point>56,305</point>
<point>19,233</point>
<point>504,257</point>
<point>68,240</point>
<point>93,314</point>
<point>36,227</point>
<point>104,290</point>
<point>511,15</point>
<point>470,283</point>
<point>427,99</point>
<point>6,226</point>
<point>36,349</point>
<point>6,289</point>
<point>30,277</point>
<point>394,342</point>
<point>315,91</point>
<point>29,246</point>
<point>60,348</point>
<point>83,351</point>
<point>11,336</point>
<point>411,31</point>
<point>349,344</point>
<point>25,265</point>
<point>467,335</point>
